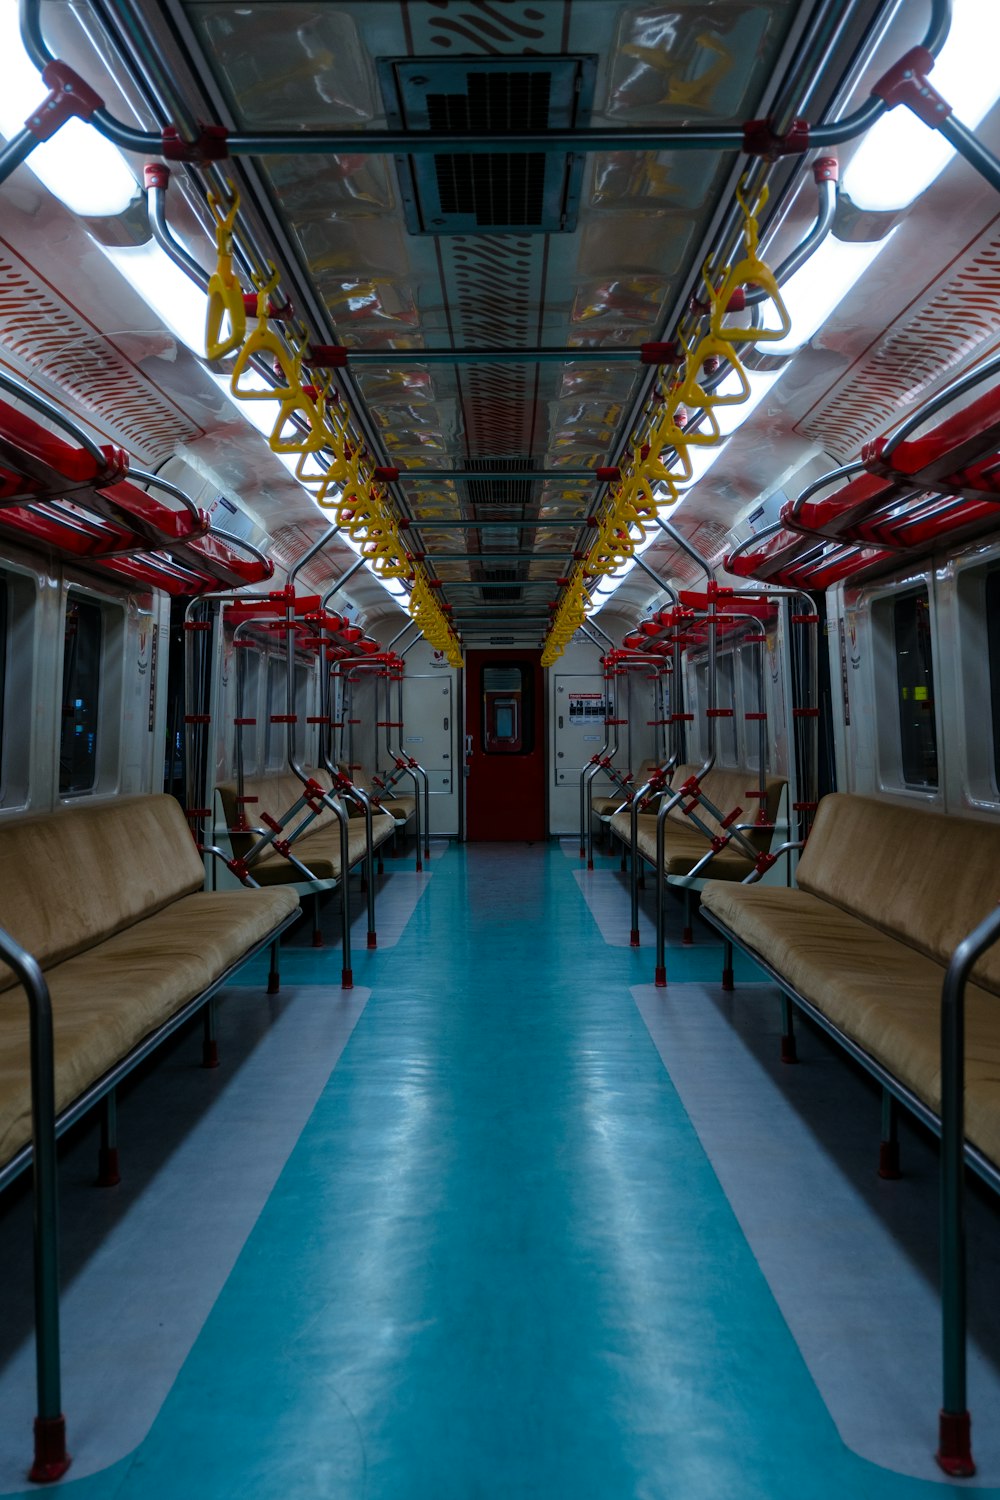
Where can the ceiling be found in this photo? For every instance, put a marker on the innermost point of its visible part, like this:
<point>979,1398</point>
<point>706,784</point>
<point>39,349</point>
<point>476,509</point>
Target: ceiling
<point>579,259</point>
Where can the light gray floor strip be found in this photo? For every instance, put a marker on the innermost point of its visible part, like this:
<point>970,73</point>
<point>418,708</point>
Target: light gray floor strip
<point>606,894</point>
<point>135,1299</point>
<point>851,1260</point>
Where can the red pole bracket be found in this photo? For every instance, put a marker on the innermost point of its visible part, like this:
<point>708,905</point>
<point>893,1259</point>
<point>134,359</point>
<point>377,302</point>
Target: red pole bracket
<point>760,139</point>
<point>210,144</point>
<point>327,357</point>
<point>69,97</point>
<point>653,353</point>
<point>906,83</point>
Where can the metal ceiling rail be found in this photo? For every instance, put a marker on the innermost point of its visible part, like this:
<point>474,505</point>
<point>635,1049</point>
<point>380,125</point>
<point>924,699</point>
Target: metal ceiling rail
<point>509,476</point>
<point>648,354</point>
<point>497,557</point>
<point>70,95</point>
<point>563,523</point>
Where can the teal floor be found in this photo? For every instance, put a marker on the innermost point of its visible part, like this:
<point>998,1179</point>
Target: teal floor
<point>498,1262</point>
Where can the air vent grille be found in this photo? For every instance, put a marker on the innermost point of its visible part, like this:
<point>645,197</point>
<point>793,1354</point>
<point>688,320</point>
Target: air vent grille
<point>506,190</point>
<point>525,192</point>
<point>492,492</point>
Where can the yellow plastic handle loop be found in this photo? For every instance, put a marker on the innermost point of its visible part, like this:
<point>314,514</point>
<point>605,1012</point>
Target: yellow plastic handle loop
<point>225,295</point>
<point>264,343</point>
<point>750,270</point>
<point>713,345</point>
<point>289,438</point>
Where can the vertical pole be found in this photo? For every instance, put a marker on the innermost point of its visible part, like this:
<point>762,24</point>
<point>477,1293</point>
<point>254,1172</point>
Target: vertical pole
<point>51,1459</point>
<point>954,1453</point>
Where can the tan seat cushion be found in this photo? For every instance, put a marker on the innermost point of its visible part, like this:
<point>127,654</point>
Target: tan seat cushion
<point>73,877</point>
<point>106,1000</point>
<point>882,993</point>
<point>683,847</point>
<point>918,875</point>
<point>320,852</point>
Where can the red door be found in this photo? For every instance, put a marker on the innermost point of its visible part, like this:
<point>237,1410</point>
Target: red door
<point>504,746</point>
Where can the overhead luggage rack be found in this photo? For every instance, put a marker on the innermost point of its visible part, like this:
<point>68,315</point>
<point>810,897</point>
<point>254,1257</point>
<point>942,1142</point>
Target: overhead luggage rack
<point>74,498</point>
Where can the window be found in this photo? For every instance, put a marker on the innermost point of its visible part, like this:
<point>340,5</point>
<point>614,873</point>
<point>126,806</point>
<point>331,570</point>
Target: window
<point>993,656</point>
<point>911,623</point>
<point>81,686</point>
<point>725,698</point>
<point>750,687</point>
<point>4,635</point>
<point>276,734</point>
<point>508,709</point>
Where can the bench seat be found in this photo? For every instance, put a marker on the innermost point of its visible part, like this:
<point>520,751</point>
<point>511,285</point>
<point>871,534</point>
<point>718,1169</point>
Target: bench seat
<point>318,847</point>
<point>108,999</point>
<point>108,898</point>
<point>685,845</point>
<point>878,991</point>
<point>885,895</point>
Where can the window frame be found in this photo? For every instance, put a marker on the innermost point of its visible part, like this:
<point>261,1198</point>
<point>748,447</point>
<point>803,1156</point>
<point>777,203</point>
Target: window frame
<point>109,726</point>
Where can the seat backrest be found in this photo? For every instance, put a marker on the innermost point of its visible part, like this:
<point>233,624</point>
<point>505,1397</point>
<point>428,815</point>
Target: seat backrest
<point>921,876</point>
<point>728,789</point>
<point>72,878</point>
<point>276,792</point>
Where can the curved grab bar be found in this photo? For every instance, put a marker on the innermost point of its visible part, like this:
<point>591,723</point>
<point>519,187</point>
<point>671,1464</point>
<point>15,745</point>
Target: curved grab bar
<point>168,487</point>
<point>156,203</point>
<point>815,237</point>
<point>944,397</point>
<point>48,408</point>
<point>239,541</point>
<point>845,471</point>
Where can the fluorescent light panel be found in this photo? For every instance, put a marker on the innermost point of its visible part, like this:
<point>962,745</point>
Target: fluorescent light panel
<point>901,156</point>
<point>164,287</point>
<point>78,165</point>
<point>818,288</point>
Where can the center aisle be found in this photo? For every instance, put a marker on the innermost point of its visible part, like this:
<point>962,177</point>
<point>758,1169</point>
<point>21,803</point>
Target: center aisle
<point>497,1263</point>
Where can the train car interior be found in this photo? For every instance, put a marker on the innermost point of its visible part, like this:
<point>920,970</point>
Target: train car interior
<point>500,749</point>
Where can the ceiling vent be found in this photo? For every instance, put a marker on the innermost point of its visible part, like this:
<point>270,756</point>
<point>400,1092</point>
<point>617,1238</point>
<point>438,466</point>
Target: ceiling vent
<point>500,585</point>
<point>462,192</point>
<point>493,492</point>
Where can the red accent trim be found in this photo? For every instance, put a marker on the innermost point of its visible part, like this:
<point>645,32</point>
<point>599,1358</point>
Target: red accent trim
<point>826,169</point>
<point>758,717</point>
<point>156,174</point>
<point>730,819</point>
<point>327,357</point>
<point>805,619</point>
<point>906,83</point>
<point>954,1454</point>
<point>804,806</point>
<point>271,823</point>
<point>347,979</point>
<point>633,939</point>
<point>805,713</point>
<point>660,978</point>
<point>200,625</point>
<point>372,940</point>
<point>247,801</point>
<point>51,1459</point>
<point>211,144</point>
<point>241,723</point>
<point>653,353</point>
<point>197,812</point>
<point>718,713</point>
<point>607,474</point>
<point>888,1161</point>
<point>108,1167</point>
<point>284,718</point>
<point>386,473</point>
<point>197,718</point>
<point>759,139</point>
<point>69,97</point>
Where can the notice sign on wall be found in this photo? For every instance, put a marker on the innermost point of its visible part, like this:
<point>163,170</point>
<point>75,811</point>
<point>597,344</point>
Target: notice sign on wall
<point>586,708</point>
